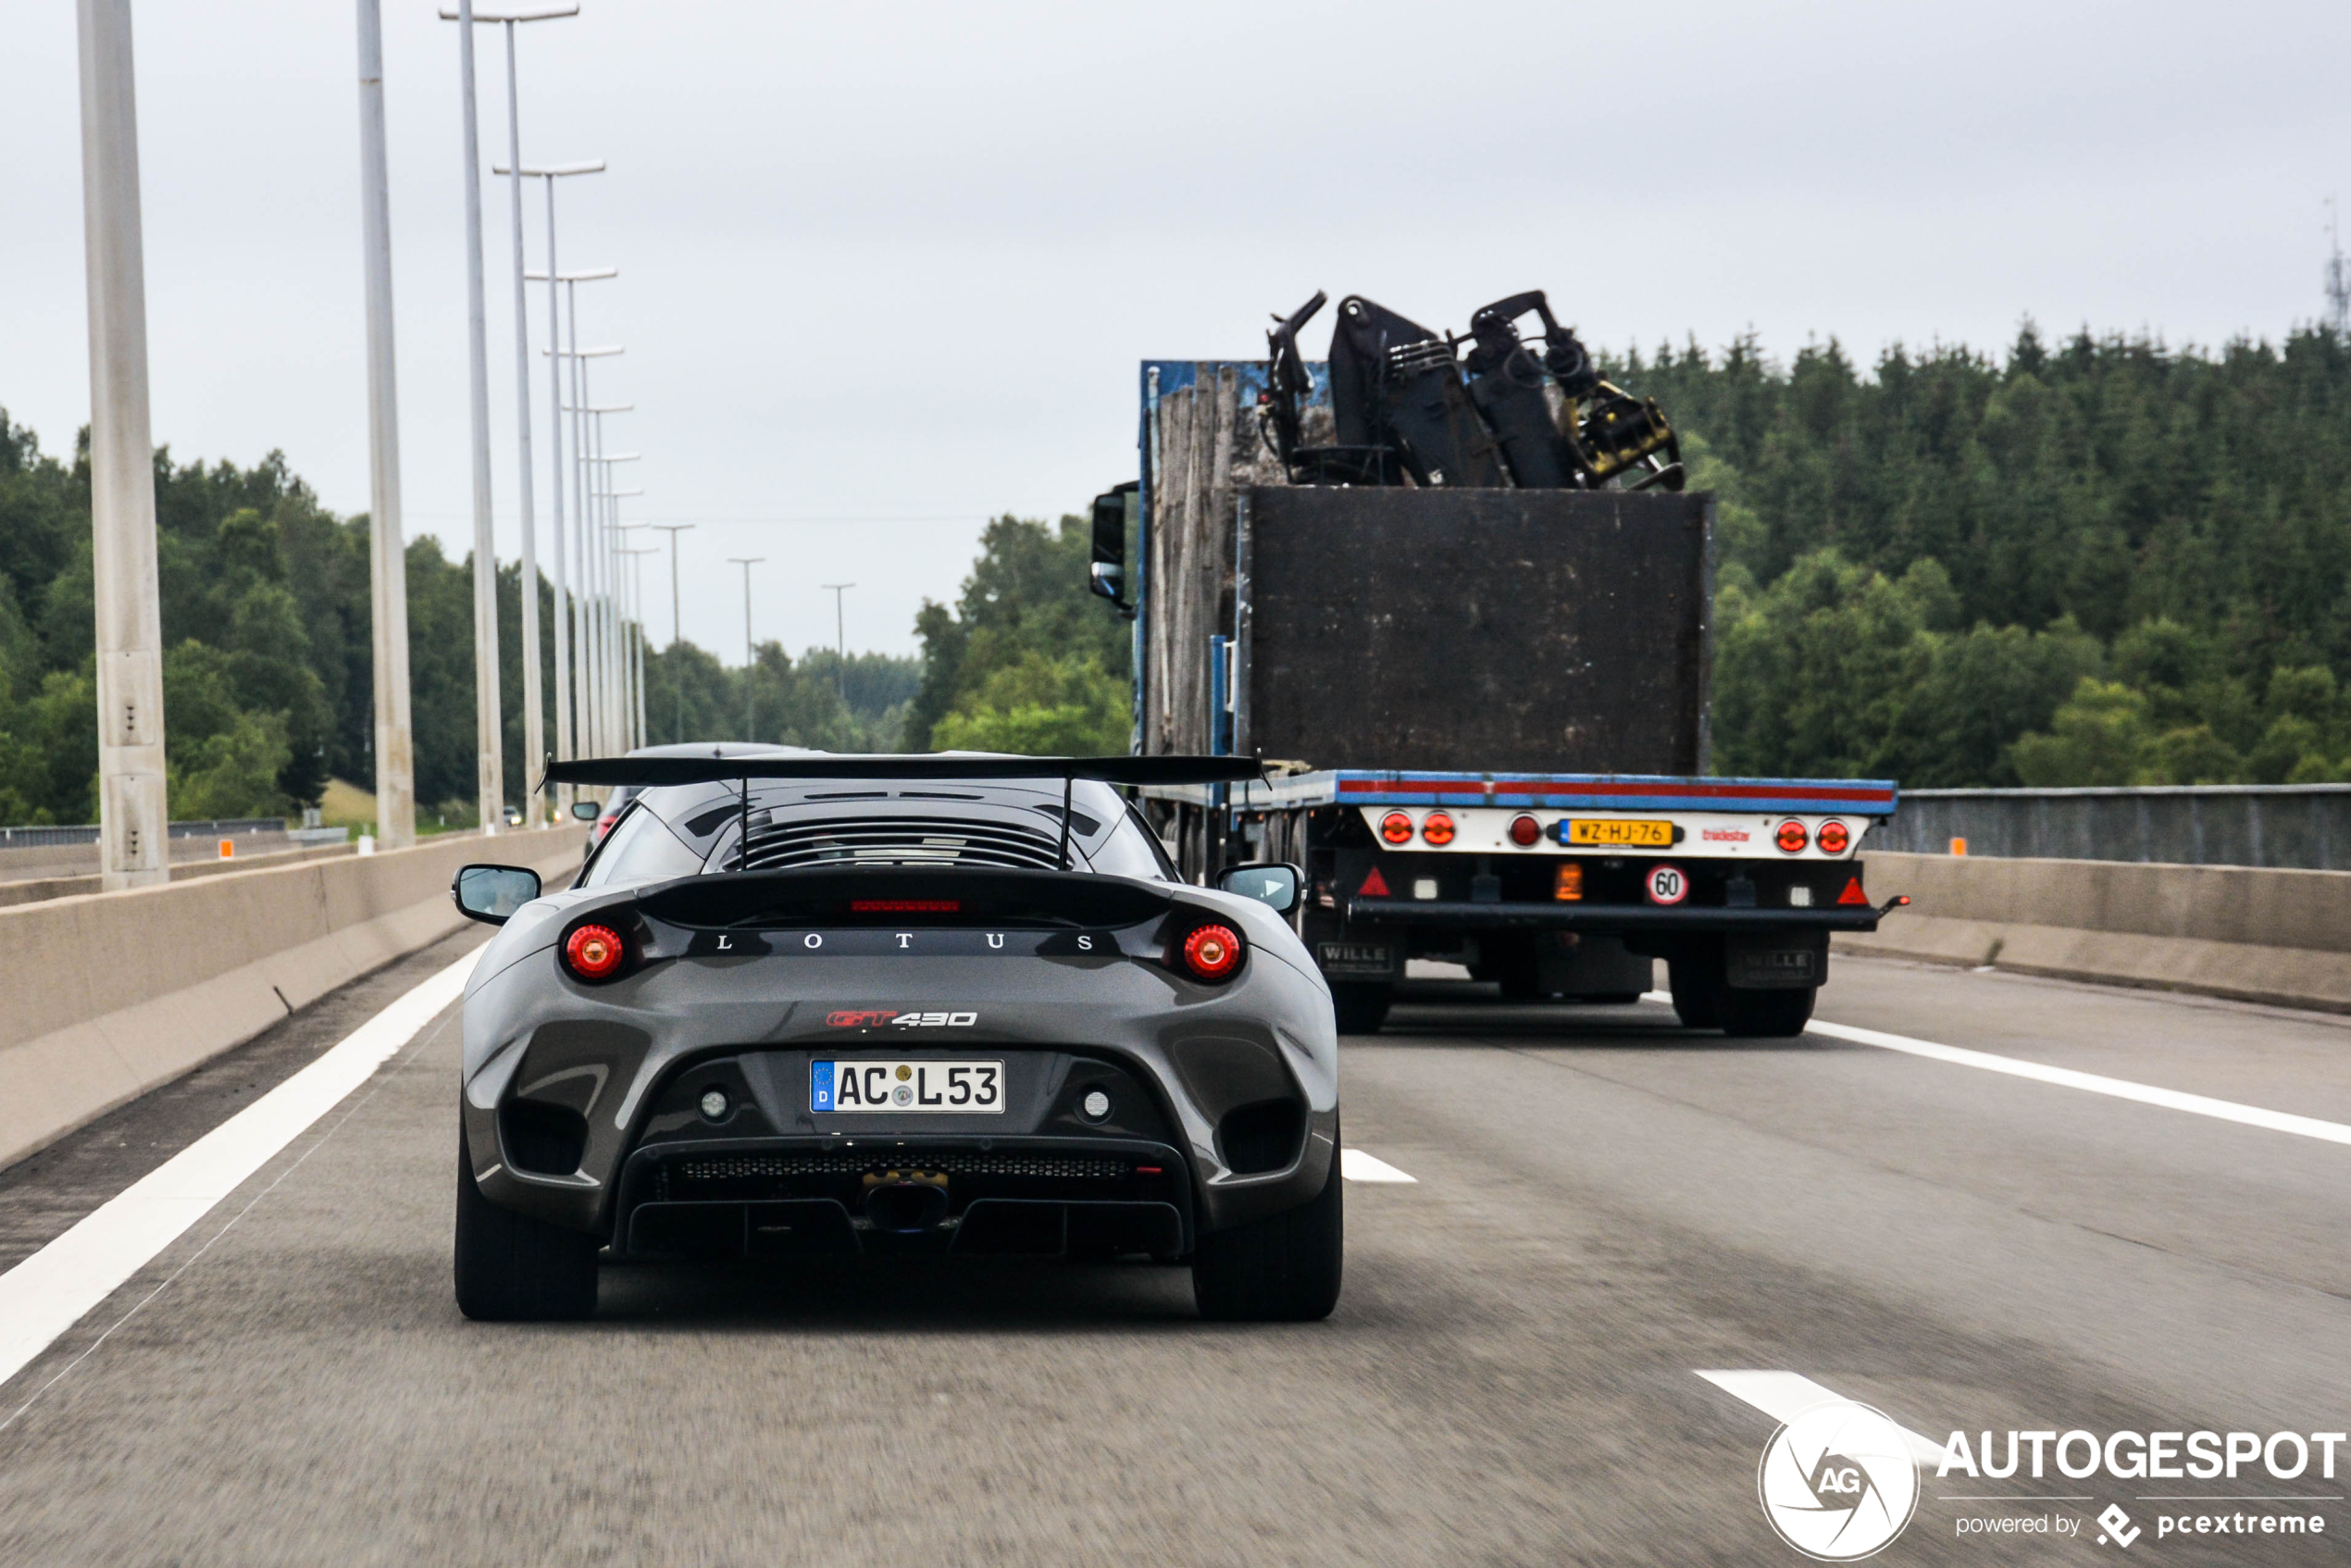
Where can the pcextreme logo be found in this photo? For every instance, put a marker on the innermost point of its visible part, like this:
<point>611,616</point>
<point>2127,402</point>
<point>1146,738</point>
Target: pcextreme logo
<point>1838,1483</point>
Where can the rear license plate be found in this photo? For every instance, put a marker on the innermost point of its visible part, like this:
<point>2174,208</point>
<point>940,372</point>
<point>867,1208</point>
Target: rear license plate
<point>1355,958</point>
<point>1617,832</point>
<point>961,1087</point>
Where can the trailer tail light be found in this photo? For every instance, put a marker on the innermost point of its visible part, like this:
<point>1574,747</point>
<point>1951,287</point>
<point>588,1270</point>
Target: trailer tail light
<point>1436,828</point>
<point>1791,838</point>
<point>1524,831</point>
<point>1834,838</point>
<point>1396,828</point>
<point>1213,952</point>
<point>1567,882</point>
<point>594,953</point>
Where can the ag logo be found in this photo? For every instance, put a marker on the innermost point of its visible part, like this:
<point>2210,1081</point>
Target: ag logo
<point>1838,1482</point>
<point>1667,885</point>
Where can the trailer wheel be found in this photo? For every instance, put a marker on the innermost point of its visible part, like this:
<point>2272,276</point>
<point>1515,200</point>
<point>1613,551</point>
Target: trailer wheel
<point>1361,1007</point>
<point>1767,1014</point>
<point>1696,984</point>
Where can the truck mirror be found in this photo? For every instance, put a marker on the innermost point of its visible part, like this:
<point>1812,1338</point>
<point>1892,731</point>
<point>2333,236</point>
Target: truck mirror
<point>585,809</point>
<point>1273,884</point>
<point>1107,576</point>
<point>492,893</point>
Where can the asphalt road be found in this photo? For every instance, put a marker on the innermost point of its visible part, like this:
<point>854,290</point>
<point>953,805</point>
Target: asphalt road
<point>1604,1206</point>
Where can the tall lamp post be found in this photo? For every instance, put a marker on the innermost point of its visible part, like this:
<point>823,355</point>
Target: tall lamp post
<point>616,650</point>
<point>135,822</point>
<point>563,744</point>
<point>533,698</point>
<point>678,674</point>
<point>840,646</point>
<point>637,597</point>
<point>746,563</point>
<point>387,555</point>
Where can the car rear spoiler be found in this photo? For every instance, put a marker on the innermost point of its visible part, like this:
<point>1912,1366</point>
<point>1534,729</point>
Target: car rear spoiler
<point>655,772</point>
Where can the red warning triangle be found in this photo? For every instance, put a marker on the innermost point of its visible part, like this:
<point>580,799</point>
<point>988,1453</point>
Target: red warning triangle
<point>1375,886</point>
<point>1853,893</point>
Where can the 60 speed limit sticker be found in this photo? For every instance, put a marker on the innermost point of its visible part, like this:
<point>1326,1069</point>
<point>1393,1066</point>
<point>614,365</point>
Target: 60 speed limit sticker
<point>1667,885</point>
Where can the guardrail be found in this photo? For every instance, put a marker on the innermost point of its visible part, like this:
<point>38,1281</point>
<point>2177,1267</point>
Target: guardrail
<point>115,993</point>
<point>87,833</point>
<point>2298,827</point>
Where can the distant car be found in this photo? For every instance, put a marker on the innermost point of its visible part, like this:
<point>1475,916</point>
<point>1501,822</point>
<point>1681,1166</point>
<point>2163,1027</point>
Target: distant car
<point>948,1005</point>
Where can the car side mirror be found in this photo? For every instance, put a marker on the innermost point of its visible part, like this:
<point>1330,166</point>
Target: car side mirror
<point>1275,883</point>
<point>491,894</point>
<point>585,809</point>
<point>1107,574</point>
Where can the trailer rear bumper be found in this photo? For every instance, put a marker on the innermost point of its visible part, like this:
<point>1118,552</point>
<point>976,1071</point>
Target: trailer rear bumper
<point>1624,917</point>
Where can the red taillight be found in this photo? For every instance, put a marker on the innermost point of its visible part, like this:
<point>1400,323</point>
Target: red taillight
<point>905,906</point>
<point>1213,952</point>
<point>603,824</point>
<point>1834,838</point>
<point>1438,828</point>
<point>594,953</point>
<point>1524,830</point>
<point>1396,828</point>
<point>1791,838</point>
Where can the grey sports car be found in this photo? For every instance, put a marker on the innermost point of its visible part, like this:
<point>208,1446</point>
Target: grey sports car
<point>813,1005</point>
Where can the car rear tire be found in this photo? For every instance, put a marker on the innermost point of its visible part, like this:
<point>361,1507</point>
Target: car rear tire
<point>510,1268</point>
<point>1284,1268</point>
<point>1767,1014</point>
<point>1696,984</point>
<point>1361,1008</point>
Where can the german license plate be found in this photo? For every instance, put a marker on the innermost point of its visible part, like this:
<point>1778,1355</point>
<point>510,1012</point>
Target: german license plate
<point>1618,832</point>
<point>1355,958</point>
<point>961,1087</point>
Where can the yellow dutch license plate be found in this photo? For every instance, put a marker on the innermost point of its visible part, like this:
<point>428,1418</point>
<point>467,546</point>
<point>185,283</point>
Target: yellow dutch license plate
<point>1618,833</point>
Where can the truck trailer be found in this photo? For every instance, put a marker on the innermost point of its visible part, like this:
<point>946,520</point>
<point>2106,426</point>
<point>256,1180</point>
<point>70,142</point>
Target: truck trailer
<point>1482,716</point>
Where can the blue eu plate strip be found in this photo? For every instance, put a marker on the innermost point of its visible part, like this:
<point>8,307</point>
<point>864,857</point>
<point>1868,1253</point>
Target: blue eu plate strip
<point>820,1086</point>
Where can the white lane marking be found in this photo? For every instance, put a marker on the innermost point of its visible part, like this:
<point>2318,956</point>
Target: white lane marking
<point>1783,1396</point>
<point>1356,1165</point>
<point>2090,1083</point>
<point>47,1293</point>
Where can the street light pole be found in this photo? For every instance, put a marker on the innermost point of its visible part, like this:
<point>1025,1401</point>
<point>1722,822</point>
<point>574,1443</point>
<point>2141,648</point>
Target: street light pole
<point>133,815</point>
<point>386,557</point>
<point>564,739</point>
<point>637,596</point>
<point>488,722</point>
<point>678,672</point>
<point>746,563</point>
<point>616,647</point>
<point>840,648</point>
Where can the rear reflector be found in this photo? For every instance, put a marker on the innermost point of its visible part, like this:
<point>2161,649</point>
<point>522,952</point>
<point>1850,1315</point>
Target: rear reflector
<point>1853,893</point>
<point>1375,886</point>
<point>1524,830</point>
<point>905,906</point>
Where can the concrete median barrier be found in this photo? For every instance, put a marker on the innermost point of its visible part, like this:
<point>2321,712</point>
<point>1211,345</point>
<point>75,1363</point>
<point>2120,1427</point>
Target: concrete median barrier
<point>2248,934</point>
<point>112,994</point>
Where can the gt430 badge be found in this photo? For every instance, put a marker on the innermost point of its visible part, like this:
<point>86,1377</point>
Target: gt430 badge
<point>875,1018</point>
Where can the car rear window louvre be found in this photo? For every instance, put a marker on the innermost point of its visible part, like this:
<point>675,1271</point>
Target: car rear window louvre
<point>794,843</point>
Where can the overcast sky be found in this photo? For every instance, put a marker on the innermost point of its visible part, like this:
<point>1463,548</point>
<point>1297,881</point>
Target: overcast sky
<point>898,261</point>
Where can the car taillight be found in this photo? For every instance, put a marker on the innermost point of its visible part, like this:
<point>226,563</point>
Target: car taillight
<point>1525,830</point>
<point>594,953</point>
<point>1396,828</point>
<point>1438,828</point>
<point>1834,838</point>
<point>1213,952</point>
<point>1791,838</point>
<point>603,824</point>
<point>1567,883</point>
